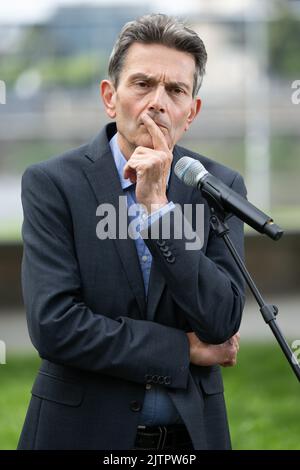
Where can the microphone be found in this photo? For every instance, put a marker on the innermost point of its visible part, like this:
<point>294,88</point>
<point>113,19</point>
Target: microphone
<point>193,173</point>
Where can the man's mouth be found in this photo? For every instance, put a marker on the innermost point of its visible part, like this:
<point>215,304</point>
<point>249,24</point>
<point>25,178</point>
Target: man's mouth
<point>158,124</point>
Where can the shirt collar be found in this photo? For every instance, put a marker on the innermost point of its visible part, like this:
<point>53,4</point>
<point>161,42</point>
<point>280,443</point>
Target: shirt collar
<point>120,162</point>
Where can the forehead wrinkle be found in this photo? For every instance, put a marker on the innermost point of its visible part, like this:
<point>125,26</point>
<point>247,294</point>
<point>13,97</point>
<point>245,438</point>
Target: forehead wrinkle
<point>140,58</point>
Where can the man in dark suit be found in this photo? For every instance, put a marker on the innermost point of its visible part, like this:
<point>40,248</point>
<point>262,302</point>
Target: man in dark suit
<point>131,330</point>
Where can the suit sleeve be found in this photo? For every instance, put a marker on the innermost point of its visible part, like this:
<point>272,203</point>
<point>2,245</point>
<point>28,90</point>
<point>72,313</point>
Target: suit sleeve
<point>61,326</point>
<point>208,286</point>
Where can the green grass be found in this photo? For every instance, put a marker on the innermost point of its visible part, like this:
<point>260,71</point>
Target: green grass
<point>262,397</point>
<point>17,376</point>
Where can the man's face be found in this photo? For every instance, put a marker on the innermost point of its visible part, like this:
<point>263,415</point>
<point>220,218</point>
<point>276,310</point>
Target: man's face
<point>157,80</point>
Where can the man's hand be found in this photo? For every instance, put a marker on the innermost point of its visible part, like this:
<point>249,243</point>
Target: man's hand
<point>149,168</point>
<point>203,354</point>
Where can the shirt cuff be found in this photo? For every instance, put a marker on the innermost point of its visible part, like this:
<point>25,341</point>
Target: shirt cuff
<point>145,219</point>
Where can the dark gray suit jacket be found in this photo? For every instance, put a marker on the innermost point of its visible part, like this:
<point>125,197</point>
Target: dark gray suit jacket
<point>88,316</point>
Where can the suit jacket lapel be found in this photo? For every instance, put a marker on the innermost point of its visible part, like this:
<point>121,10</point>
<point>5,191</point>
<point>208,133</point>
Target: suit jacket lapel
<point>104,180</point>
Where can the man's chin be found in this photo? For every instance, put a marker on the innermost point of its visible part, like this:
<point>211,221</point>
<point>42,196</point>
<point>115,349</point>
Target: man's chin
<point>145,140</point>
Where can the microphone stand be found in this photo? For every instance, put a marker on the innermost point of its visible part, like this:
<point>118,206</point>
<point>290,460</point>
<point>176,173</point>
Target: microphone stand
<point>268,311</point>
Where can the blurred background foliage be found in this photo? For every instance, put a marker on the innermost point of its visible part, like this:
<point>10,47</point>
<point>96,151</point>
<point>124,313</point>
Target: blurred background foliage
<point>52,69</point>
<point>61,65</point>
<point>74,71</point>
<point>284,45</point>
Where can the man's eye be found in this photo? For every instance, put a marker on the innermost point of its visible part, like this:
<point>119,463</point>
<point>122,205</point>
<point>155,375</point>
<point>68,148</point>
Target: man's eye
<point>142,84</point>
<point>178,91</point>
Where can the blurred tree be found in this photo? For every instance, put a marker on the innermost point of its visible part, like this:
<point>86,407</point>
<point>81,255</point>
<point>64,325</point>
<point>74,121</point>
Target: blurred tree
<point>75,71</point>
<point>71,71</point>
<point>284,37</point>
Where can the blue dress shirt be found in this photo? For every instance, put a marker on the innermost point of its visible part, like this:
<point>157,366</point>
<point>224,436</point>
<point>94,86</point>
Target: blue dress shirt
<point>158,408</point>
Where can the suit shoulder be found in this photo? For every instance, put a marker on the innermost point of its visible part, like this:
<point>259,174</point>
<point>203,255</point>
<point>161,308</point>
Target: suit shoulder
<point>57,164</point>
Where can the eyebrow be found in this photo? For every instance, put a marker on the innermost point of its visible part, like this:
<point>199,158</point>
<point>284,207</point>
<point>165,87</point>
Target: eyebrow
<point>152,79</point>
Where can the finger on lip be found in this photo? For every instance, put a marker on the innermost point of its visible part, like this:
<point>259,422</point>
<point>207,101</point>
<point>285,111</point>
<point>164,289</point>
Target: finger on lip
<point>146,117</point>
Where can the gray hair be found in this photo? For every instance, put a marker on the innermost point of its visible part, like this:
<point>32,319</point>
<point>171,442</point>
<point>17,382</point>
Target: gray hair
<point>158,29</point>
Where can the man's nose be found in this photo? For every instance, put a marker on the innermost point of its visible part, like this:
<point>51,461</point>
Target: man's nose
<point>157,101</point>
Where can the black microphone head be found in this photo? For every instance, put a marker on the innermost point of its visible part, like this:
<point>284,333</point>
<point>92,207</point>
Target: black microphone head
<point>189,170</point>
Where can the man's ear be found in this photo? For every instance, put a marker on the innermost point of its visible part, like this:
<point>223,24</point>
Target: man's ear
<point>108,94</point>
<point>195,109</point>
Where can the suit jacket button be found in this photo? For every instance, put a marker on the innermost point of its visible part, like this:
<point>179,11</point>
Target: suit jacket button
<point>167,380</point>
<point>155,379</point>
<point>160,242</point>
<point>163,249</point>
<point>167,254</point>
<point>148,378</point>
<point>171,259</point>
<point>135,406</point>
<point>161,379</point>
